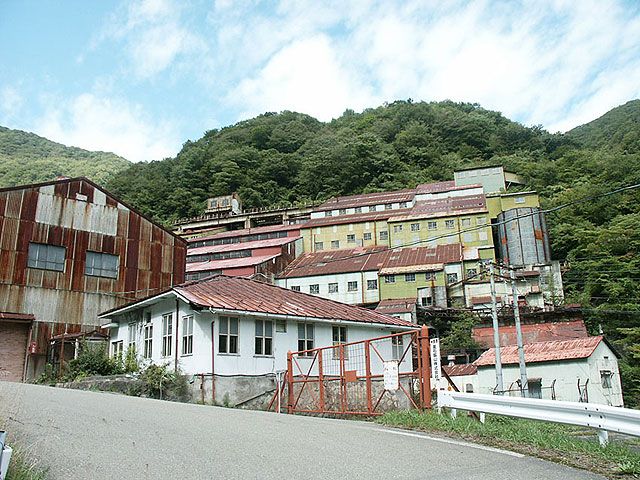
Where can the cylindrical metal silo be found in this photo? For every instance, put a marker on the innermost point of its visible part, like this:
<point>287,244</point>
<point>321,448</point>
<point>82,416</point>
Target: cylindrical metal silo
<point>523,236</point>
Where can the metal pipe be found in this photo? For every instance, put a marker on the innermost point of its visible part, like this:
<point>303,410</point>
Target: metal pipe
<point>213,362</point>
<point>26,354</point>
<point>175,367</point>
<point>516,314</point>
<point>496,330</point>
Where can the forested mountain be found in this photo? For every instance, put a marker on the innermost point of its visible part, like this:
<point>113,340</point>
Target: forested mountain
<point>293,158</point>
<point>26,158</point>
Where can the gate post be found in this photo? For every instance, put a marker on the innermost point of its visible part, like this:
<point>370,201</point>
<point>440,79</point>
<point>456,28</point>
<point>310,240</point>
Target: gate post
<point>290,380</point>
<point>425,370</point>
<point>321,379</point>
<point>367,357</point>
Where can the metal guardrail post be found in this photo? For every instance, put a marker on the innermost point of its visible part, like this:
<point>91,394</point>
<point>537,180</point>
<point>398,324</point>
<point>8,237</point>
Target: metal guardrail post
<point>5,455</point>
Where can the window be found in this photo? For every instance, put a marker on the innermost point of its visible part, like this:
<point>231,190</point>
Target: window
<point>366,236</point>
<point>427,301</point>
<point>397,228</point>
<point>605,379</point>
<point>397,347</point>
<point>339,338</point>
<point>534,385</point>
<point>214,203</point>
<point>415,227</point>
<point>328,213</point>
<point>225,202</point>
<point>403,204</point>
<point>335,244</point>
<point>352,286</point>
<point>305,338</point>
<point>519,200</point>
<point>351,239</point>
<point>167,333</point>
<point>466,222</point>
<point>358,210</point>
<point>318,246</point>
<point>372,208</point>
<point>469,388</point>
<point>342,211</point>
<point>148,340</point>
<point>101,265</point>
<point>430,276</point>
<point>409,277</point>
<point>372,284</point>
<point>295,288</point>
<point>47,257</point>
<point>333,288</point>
<point>468,237</point>
<point>472,272</point>
<point>384,235</point>
<point>264,337</point>
<point>315,288</point>
<point>187,335</point>
<point>131,344</point>
<point>281,326</point>
<point>482,236</point>
<point>432,225</point>
<point>389,279</point>
<point>228,335</point>
<point>481,220</point>
<point>449,224</point>
<point>452,278</point>
<point>116,349</point>
<point>388,206</point>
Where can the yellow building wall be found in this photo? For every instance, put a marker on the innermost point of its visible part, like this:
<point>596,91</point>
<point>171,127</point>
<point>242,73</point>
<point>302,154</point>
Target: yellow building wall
<point>499,203</point>
<point>424,237</point>
<point>327,234</point>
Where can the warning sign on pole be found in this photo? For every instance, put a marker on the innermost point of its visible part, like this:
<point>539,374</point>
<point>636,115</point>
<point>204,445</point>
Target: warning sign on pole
<point>391,380</point>
<point>435,359</point>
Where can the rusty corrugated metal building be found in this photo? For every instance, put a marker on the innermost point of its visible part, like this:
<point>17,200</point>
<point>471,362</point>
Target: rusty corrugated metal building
<point>69,250</point>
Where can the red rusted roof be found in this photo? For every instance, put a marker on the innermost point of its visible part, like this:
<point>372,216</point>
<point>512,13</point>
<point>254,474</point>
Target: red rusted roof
<point>355,218</point>
<point>366,199</point>
<point>444,206</point>
<point>543,352</point>
<point>425,259</point>
<point>234,247</point>
<point>458,370</point>
<point>247,231</point>
<point>327,262</point>
<point>17,316</point>
<point>442,187</point>
<point>397,305</point>
<point>228,263</point>
<point>246,295</point>
<point>531,332</point>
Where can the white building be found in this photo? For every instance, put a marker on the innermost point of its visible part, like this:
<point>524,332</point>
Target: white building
<point>583,369</point>
<point>236,328</point>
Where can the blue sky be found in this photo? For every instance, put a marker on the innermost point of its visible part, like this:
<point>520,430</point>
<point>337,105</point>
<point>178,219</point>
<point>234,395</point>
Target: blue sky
<point>141,77</point>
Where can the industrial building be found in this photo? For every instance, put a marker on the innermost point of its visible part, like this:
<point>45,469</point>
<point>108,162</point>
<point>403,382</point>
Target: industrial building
<point>70,250</point>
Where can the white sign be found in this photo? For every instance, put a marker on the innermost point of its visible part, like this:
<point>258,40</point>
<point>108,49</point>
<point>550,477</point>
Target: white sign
<point>435,358</point>
<point>391,380</point>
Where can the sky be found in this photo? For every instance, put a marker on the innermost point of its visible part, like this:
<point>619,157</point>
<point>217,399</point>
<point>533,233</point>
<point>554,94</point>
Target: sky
<point>141,77</point>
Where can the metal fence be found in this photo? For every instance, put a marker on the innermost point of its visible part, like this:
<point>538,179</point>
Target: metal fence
<point>366,377</point>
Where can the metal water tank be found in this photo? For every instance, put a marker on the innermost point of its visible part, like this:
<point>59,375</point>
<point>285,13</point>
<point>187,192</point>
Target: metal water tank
<point>523,236</point>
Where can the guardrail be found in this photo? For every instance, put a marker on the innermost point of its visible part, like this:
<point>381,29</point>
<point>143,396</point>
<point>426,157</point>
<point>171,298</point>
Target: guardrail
<point>5,454</point>
<point>602,417</point>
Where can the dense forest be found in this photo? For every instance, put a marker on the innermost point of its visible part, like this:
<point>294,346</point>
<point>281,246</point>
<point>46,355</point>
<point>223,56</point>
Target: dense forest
<point>26,158</point>
<point>290,158</point>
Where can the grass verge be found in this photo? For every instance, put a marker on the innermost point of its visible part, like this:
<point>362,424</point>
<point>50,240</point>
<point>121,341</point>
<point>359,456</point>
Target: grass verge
<point>23,467</point>
<point>564,444</point>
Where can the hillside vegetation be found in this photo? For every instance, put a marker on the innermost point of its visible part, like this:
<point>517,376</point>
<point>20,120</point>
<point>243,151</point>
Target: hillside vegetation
<point>26,158</point>
<point>292,158</point>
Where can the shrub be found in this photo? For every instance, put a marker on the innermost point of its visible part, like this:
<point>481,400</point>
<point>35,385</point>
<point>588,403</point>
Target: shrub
<point>94,360</point>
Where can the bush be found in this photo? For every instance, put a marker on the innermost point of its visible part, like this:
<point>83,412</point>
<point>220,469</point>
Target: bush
<point>158,382</point>
<point>94,360</point>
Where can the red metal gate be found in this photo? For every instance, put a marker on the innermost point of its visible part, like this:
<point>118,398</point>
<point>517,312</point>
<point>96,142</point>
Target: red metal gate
<point>350,378</point>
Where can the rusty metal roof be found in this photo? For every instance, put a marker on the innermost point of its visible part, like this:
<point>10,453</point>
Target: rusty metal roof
<point>228,263</point>
<point>531,332</point>
<point>247,231</point>
<point>366,199</point>
<point>22,317</point>
<point>459,370</point>
<point>354,218</point>
<point>234,247</point>
<point>397,305</point>
<point>543,351</point>
<point>327,262</point>
<point>442,187</point>
<point>425,259</point>
<point>444,206</point>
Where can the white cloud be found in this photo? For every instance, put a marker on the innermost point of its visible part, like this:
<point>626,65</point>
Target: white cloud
<point>10,104</point>
<point>96,123</point>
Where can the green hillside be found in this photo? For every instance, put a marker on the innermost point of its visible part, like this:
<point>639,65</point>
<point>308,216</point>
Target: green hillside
<point>289,157</point>
<point>26,158</point>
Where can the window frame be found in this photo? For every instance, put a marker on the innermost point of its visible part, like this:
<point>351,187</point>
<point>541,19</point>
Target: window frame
<point>316,287</point>
<point>167,334</point>
<point>339,339</point>
<point>384,235</point>
<point>409,277</point>
<point>132,334</point>
<point>369,283</point>
<point>318,246</point>
<point>449,224</point>
<point>187,335</point>
<point>101,271</point>
<point>228,335</point>
<point>415,227</point>
<point>333,287</point>
<point>397,228</point>
<point>432,225</point>
<point>306,341</point>
<point>389,279</point>
<point>117,349</point>
<point>148,340</point>
<point>452,278</point>
<point>350,286</point>
<point>261,339</point>
<point>295,288</point>
<point>51,259</point>
<point>351,238</point>
<point>335,244</point>
<point>366,236</point>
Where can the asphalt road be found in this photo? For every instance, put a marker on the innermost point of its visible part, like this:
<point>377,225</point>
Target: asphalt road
<point>98,435</point>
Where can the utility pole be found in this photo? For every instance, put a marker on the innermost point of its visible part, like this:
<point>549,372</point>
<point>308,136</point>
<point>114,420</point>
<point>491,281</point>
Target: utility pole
<point>496,332</point>
<point>516,315</point>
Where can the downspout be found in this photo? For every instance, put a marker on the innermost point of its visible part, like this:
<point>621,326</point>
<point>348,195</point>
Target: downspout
<point>213,362</point>
<point>175,367</point>
<point>362,285</point>
<point>26,354</point>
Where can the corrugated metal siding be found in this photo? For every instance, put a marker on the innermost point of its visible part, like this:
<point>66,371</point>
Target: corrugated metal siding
<point>150,257</point>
